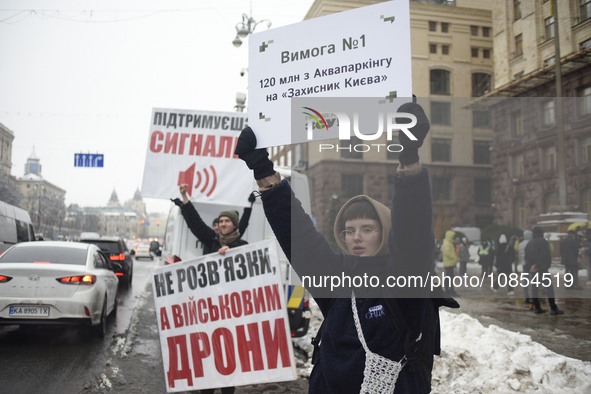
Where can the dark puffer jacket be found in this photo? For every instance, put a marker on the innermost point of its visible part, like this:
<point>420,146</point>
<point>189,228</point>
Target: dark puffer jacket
<point>341,359</point>
<point>204,233</point>
<point>537,252</point>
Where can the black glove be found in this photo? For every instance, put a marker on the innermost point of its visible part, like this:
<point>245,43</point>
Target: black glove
<point>410,153</point>
<point>256,159</point>
<point>252,198</point>
<point>177,201</point>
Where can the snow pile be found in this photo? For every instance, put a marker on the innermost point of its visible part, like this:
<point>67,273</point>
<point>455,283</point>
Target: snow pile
<point>303,346</point>
<point>475,359</point>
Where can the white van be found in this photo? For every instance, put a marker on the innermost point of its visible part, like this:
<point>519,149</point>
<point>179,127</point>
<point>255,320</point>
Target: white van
<point>472,234</point>
<point>15,226</point>
<point>180,244</point>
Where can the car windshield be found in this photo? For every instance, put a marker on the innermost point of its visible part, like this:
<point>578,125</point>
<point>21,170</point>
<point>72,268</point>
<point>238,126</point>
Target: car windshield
<point>106,246</point>
<point>45,254</point>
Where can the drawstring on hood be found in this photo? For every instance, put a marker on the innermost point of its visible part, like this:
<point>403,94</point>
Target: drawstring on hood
<point>383,214</point>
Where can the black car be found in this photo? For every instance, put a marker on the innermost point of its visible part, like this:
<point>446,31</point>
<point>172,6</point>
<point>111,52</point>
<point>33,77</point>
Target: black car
<point>116,250</point>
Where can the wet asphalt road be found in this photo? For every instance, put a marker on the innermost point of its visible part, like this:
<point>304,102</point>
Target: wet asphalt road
<point>46,359</point>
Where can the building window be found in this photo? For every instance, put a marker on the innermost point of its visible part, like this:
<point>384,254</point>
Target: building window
<point>482,154</point>
<point>444,27</point>
<point>474,52</point>
<point>486,53</point>
<point>585,44</point>
<point>440,82</point>
<point>549,62</point>
<point>481,119</point>
<point>481,84</point>
<point>585,150</point>
<point>551,201</point>
<point>549,158</point>
<point>519,45</point>
<point>441,113</point>
<point>432,26</point>
<point>548,113</point>
<point>441,149</point>
<point>519,205</point>
<point>474,31</point>
<point>432,48</point>
<point>517,168</point>
<point>549,27</point>
<point>445,49</point>
<point>347,145</point>
<point>586,202</point>
<point>351,185</point>
<point>393,155</point>
<point>584,101</point>
<point>516,9</point>
<point>483,190</point>
<point>486,32</point>
<point>585,9</point>
<point>442,189</point>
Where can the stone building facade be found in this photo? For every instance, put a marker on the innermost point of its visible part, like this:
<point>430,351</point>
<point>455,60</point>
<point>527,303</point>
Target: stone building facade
<point>523,104</point>
<point>6,138</point>
<point>451,46</point>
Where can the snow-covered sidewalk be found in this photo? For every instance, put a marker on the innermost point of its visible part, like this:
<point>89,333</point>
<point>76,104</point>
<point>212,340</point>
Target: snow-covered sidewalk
<point>478,359</point>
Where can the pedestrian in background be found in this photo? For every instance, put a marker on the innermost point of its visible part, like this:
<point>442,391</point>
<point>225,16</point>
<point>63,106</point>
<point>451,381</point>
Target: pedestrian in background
<point>464,256</point>
<point>527,236</point>
<point>485,257</point>
<point>505,259</point>
<point>450,260</point>
<point>569,253</point>
<point>537,261</point>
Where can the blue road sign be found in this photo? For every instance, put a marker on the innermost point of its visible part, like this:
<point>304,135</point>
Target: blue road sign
<point>88,160</point>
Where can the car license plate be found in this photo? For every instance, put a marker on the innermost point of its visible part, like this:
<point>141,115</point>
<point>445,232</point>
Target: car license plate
<point>33,311</point>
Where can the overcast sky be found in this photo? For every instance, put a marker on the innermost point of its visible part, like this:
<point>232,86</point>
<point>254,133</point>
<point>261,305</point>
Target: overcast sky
<point>83,76</point>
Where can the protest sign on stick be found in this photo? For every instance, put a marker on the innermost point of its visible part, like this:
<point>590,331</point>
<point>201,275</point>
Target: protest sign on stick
<point>223,321</point>
<point>363,52</point>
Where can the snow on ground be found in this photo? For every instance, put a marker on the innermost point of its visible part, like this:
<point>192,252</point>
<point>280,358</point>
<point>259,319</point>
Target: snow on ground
<point>477,359</point>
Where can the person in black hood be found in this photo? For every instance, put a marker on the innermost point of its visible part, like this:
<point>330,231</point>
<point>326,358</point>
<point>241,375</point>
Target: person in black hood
<point>537,262</point>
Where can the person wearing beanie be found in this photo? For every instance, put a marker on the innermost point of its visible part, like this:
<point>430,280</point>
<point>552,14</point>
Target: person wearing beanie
<point>372,239</point>
<point>228,236</point>
<point>190,214</point>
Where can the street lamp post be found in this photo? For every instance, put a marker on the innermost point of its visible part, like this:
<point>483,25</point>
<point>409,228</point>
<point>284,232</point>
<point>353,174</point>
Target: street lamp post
<point>247,27</point>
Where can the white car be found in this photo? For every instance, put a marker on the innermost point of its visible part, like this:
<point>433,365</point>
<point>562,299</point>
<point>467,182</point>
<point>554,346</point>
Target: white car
<point>57,283</point>
<point>143,251</point>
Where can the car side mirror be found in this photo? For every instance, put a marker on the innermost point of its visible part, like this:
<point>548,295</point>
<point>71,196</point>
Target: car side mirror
<point>116,265</point>
<point>132,252</point>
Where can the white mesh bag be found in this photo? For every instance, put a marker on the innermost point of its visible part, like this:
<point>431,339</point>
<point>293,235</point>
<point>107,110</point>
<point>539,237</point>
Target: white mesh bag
<point>380,373</point>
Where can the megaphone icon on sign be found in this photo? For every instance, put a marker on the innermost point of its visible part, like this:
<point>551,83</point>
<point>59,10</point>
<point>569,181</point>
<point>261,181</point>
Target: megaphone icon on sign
<point>187,178</point>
